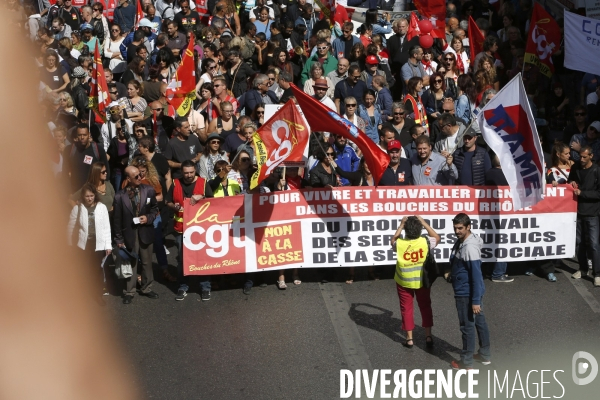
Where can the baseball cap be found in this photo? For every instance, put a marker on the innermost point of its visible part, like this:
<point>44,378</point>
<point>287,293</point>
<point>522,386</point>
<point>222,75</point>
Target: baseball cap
<point>85,26</point>
<point>145,22</point>
<point>393,145</point>
<point>372,60</point>
<point>596,124</point>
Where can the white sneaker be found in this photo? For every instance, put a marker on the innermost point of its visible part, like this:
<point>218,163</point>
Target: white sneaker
<point>576,275</point>
<point>597,281</point>
<point>166,250</point>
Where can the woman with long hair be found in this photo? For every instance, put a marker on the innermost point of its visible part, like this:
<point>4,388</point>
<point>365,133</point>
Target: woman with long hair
<point>209,67</point>
<point>68,61</point>
<point>358,55</point>
<point>410,275</point>
<point>413,103</point>
<point>166,62</point>
<point>104,189</point>
<point>136,70</point>
<point>135,104</point>
<point>281,60</point>
<point>323,174</point>
<point>89,229</point>
<point>462,57</point>
<point>210,155</point>
<point>558,173</point>
<point>467,95</point>
<point>316,72</point>
<point>433,97</point>
<point>237,73</point>
<point>232,18</point>
<point>263,23</point>
<point>371,114</point>
<point>206,93</point>
<point>482,83</point>
<point>258,115</point>
<point>66,103</point>
<point>380,26</point>
<point>452,74</point>
<point>112,50</point>
<point>486,63</point>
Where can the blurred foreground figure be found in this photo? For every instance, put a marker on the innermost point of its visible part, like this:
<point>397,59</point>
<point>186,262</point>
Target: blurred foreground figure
<point>54,340</point>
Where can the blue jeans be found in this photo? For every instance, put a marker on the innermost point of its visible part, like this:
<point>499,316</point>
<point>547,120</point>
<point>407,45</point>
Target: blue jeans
<point>469,323</point>
<point>117,179</point>
<point>159,248</point>
<point>182,279</point>
<point>499,269</point>
<point>587,243</point>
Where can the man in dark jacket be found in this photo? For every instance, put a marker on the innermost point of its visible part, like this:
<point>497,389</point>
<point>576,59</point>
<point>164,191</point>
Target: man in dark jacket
<point>259,94</point>
<point>399,172</point>
<point>471,161</point>
<point>398,46</point>
<point>585,179</point>
<point>135,209</point>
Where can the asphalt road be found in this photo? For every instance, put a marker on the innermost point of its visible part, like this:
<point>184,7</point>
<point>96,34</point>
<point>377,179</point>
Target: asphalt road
<point>292,344</point>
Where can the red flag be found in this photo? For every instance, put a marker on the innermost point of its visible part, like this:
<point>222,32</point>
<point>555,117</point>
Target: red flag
<point>475,39</point>
<point>181,91</point>
<point>543,40</point>
<point>139,14</point>
<point>413,26</point>
<point>98,98</point>
<point>434,11</point>
<point>283,136</point>
<point>321,118</point>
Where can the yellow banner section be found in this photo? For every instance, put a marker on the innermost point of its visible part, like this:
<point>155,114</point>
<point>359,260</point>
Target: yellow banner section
<point>261,158</point>
<point>533,59</point>
<point>187,104</point>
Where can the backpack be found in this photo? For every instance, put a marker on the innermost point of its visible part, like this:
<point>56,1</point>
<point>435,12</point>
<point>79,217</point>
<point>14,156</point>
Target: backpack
<point>431,270</point>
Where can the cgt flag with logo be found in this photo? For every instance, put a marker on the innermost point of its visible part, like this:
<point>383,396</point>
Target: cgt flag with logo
<point>543,40</point>
<point>476,39</point>
<point>509,129</point>
<point>282,137</point>
<point>413,27</point>
<point>181,91</point>
<point>434,11</point>
<point>322,119</point>
<point>98,99</point>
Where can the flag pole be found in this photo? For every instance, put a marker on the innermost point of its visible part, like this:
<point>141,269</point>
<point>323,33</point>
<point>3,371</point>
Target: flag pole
<point>90,121</point>
<point>238,153</point>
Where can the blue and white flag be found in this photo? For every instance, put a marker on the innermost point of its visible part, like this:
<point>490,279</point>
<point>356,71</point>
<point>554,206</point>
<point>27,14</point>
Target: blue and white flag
<point>582,43</point>
<point>508,127</point>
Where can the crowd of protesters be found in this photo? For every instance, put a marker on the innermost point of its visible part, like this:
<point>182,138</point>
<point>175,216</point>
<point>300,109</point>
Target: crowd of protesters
<point>417,104</point>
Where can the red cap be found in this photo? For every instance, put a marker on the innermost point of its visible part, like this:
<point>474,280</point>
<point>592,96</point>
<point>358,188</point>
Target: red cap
<point>394,145</point>
<point>372,60</point>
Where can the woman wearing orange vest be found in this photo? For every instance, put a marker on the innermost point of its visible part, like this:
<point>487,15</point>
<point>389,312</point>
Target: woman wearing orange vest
<point>411,253</point>
<point>413,103</point>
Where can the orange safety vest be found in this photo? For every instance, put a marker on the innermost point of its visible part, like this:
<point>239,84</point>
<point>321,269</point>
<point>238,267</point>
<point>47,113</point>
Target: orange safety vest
<point>420,115</point>
<point>178,199</point>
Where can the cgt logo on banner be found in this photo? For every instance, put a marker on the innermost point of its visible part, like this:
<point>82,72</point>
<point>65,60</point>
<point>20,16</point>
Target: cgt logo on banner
<point>509,129</point>
<point>543,40</point>
<point>353,226</point>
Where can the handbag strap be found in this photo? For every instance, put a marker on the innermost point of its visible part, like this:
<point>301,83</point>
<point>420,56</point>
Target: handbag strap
<point>234,75</point>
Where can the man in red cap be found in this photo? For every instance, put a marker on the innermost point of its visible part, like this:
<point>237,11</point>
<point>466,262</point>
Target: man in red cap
<point>399,172</point>
<point>371,71</point>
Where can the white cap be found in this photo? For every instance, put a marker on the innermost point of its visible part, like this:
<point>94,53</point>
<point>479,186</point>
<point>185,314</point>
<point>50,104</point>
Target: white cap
<point>596,124</point>
<point>146,22</point>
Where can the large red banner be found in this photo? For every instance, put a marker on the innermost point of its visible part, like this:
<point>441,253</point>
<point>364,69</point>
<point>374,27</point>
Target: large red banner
<point>353,226</point>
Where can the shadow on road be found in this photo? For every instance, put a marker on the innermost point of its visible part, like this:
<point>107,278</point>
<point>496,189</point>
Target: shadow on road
<point>382,320</point>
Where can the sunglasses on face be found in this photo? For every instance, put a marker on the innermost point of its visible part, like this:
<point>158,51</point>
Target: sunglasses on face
<point>137,176</point>
<point>330,154</point>
<point>215,141</point>
<point>437,81</point>
<point>580,114</point>
<point>218,85</point>
<point>115,111</point>
<point>95,9</point>
<point>260,112</point>
<point>245,159</point>
<point>219,170</point>
<point>448,59</point>
<point>103,172</point>
<point>212,67</point>
<point>447,111</point>
<point>398,113</point>
<point>351,105</point>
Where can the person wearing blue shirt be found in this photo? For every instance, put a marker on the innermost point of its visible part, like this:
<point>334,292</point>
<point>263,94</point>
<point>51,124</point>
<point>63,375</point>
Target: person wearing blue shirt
<point>346,157</point>
<point>124,15</point>
<point>467,282</point>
